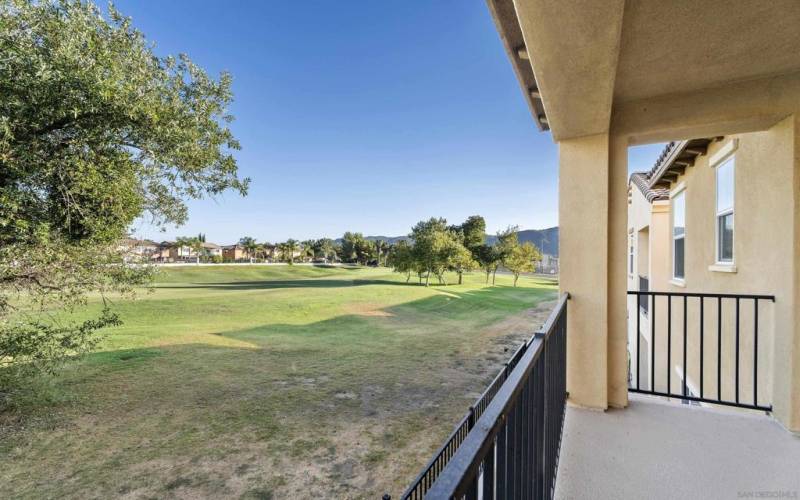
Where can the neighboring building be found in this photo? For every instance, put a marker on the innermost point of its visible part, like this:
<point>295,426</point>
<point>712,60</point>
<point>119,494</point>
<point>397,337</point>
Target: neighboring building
<point>683,239</point>
<point>137,249</point>
<point>235,253</point>
<point>162,253</point>
<point>548,265</point>
<point>212,250</point>
<point>170,251</point>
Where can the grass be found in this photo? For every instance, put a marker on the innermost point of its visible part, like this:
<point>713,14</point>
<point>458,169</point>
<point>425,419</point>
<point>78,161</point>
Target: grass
<point>265,382</point>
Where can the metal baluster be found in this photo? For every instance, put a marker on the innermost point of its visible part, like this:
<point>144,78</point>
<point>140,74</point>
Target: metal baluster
<point>669,344</point>
<point>737,350</point>
<point>501,461</point>
<point>719,348</point>
<point>685,368</point>
<point>702,350</point>
<point>638,341</point>
<point>653,344</point>
<point>755,352</point>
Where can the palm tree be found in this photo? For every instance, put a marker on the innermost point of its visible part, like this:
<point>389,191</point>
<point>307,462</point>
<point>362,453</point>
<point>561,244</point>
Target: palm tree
<point>308,249</point>
<point>194,244</point>
<point>250,246</point>
<point>380,248</point>
<point>288,248</point>
<point>328,248</point>
<point>263,250</point>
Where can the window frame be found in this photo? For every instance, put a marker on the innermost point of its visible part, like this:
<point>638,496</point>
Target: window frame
<point>718,214</point>
<point>679,191</point>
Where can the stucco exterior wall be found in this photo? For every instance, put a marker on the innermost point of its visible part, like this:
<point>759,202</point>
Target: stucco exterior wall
<point>583,219</point>
<point>764,263</point>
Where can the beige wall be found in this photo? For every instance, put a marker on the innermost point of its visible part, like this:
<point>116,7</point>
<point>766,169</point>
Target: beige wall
<point>583,209</point>
<point>765,261</point>
<point>593,218</point>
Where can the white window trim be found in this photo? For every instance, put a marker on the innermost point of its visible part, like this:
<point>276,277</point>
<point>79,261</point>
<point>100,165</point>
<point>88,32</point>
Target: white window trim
<point>726,152</point>
<point>679,189</point>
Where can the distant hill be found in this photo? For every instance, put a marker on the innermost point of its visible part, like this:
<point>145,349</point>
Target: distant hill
<point>389,239</point>
<point>545,240</point>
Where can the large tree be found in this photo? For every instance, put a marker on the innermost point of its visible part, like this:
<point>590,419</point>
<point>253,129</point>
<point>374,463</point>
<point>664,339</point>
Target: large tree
<point>522,259</point>
<point>96,130</point>
<point>507,242</point>
<point>325,247</point>
<point>474,232</point>
<point>436,248</point>
<point>401,258</point>
<point>489,259</point>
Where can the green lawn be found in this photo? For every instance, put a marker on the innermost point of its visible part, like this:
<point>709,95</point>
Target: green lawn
<point>266,382</point>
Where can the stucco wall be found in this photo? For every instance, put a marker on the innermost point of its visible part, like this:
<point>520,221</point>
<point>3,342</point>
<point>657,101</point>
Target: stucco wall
<point>763,252</point>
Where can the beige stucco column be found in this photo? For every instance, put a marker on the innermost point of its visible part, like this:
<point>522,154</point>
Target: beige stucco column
<point>592,222</point>
<point>786,372</point>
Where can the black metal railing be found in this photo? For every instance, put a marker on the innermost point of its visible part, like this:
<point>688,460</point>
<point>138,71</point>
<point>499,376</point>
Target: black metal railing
<point>431,471</point>
<point>513,448</point>
<point>644,286</point>
<point>715,338</point>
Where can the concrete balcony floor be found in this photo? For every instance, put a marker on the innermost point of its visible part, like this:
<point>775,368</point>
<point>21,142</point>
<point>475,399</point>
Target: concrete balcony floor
<point>658,449</point>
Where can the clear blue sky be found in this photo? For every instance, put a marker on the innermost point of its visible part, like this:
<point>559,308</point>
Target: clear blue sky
<point>364,116</point>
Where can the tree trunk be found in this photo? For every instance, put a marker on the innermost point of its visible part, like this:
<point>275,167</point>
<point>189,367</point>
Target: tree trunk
<point>516,277</point>
<point>428,278</point>
<point>460,278</point>
<point>494,276</point>
<point>487,276</point>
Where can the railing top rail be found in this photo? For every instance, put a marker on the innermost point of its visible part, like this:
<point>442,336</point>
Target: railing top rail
<point>708,295</point>
<point>463,465</point>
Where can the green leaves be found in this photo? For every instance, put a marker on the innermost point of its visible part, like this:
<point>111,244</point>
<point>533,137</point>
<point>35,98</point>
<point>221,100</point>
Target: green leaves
<point>95,131</point>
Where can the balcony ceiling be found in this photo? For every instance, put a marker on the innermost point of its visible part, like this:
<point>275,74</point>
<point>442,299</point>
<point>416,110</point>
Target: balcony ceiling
<point>686,45</point>
<point>588,57</point>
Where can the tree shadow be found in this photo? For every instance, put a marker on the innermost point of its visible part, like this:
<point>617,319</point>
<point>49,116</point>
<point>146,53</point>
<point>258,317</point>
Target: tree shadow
<point>271,284</point>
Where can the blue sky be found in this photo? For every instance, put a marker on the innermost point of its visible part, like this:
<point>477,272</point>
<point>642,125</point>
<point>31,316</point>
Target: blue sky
<point>364,116</point>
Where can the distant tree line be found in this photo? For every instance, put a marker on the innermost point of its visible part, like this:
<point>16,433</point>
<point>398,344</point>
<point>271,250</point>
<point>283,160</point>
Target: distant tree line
<point>433,248</point>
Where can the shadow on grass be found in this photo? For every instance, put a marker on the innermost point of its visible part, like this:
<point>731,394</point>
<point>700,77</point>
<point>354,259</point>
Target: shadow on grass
<point>270,284</point>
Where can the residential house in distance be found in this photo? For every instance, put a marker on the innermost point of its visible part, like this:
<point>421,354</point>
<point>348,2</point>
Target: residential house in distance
<point>212,250</point>
<point>235,253</point>
<point>548,265</point>
<point>162,253</point>
<point>137,249</point>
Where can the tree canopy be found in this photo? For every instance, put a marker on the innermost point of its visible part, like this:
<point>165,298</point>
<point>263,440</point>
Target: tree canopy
<point>96,130</point>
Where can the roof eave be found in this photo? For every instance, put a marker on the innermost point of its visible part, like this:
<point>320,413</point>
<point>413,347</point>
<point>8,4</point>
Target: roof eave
<point>507,24</point>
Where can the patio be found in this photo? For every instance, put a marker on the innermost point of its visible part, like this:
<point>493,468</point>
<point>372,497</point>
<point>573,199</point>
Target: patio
<point>663,449</point>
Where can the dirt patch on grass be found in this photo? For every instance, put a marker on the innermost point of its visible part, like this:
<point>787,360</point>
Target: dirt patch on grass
<point>368,309</point>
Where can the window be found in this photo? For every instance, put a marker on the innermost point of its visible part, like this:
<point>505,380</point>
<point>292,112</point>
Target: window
<point>630,253</point>
<point>725,181</point>
<point>678,234</point>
